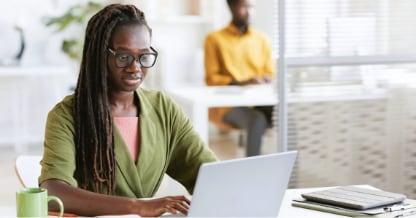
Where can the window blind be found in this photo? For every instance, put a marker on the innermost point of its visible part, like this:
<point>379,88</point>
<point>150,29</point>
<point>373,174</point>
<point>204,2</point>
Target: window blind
<point>351,69</point>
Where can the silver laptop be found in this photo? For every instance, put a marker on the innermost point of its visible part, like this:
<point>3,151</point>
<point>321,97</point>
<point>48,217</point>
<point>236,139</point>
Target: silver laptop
<point>252,186</point>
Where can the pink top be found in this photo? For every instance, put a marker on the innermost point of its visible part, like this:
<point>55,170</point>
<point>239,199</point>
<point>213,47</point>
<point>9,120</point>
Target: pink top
<point>129,130</point>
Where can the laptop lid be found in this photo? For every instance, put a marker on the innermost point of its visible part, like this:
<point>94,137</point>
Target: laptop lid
<point>252,186</point>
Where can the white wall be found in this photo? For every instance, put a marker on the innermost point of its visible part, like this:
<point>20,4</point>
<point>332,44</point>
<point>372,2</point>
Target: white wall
<point>41,45</point>
<point>180,27</point>
<point>181,38</point>
<point>27,99</point>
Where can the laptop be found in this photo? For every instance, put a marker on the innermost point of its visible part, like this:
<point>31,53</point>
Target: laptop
<point>252,186</point>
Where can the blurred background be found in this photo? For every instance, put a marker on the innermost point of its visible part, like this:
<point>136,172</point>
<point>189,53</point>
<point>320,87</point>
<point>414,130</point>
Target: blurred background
<point>350,66</point>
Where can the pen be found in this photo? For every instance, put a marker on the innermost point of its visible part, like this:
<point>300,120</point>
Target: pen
<point>397,208</point>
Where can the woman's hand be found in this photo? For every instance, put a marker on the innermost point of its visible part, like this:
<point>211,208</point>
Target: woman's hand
<point>159,206</point>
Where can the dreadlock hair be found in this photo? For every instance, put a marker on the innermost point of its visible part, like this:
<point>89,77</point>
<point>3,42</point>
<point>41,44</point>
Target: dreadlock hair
<point>94,139</point>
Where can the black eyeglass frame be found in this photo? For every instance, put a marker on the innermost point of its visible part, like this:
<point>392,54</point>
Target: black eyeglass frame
<point>154,52</point>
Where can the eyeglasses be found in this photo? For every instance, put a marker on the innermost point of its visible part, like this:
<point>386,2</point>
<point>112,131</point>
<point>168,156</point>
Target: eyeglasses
<point>124,60</point>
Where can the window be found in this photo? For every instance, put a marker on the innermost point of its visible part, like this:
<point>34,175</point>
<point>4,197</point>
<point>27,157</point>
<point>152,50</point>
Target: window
<point>351,69</point>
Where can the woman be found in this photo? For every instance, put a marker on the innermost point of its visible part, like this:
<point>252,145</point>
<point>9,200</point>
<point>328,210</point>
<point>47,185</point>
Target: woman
<point>110,143</point>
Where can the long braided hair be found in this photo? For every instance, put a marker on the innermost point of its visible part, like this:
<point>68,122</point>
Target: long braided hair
<point>94,139</point>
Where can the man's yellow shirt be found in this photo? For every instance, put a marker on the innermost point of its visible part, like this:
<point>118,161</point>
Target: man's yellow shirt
<point>232,56</point>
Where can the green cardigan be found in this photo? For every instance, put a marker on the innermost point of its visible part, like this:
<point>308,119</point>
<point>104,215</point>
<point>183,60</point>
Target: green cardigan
<point>169,144</point>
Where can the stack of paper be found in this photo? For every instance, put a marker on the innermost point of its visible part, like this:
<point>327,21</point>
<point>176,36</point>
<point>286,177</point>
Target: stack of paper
<point>405,209</point>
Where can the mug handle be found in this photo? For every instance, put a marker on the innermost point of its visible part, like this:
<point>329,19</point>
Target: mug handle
<point>61,205</point>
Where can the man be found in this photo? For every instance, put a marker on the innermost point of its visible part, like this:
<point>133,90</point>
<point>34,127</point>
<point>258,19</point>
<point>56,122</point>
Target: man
<point>240,55</point>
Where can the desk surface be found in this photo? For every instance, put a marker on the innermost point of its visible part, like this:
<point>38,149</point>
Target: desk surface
<point>196,100</point>
<point>286,211</point>
<point>256,95</point>
<point>217,96</point>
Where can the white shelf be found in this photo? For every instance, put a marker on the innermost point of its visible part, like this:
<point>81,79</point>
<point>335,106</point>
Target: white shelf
<point>33,70</point>
<point>20,122</point>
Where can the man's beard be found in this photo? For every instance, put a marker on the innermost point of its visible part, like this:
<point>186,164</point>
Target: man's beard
<point>242,24</point>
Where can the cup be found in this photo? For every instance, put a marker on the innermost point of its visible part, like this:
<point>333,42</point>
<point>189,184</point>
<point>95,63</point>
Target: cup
<point>33,202</point>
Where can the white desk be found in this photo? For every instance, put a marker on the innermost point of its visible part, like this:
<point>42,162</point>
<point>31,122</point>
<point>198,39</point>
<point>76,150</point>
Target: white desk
<point>286,211</point>
<point>197,100</point>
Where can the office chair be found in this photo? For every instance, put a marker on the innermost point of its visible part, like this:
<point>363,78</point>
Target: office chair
<point>27,168</point>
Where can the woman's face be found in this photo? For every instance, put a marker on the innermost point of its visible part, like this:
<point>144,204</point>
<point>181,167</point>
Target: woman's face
<point>130,39</point>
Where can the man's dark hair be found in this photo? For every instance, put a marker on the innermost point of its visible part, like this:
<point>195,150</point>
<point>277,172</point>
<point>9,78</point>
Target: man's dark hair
<point>231,3</point>
<point>94,139</point>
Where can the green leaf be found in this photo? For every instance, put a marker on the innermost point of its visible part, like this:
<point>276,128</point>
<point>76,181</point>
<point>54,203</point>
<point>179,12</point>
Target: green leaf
<point>77,16</point>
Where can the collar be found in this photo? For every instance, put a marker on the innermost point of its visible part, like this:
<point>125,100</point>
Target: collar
<point>144,104</point>
<point>234,29</point>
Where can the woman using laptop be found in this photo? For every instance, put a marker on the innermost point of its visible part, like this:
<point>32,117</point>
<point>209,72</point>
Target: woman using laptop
<point>110,143</point>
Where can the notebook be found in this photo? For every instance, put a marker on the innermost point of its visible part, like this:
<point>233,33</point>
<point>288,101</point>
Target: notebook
<point>354,197</point>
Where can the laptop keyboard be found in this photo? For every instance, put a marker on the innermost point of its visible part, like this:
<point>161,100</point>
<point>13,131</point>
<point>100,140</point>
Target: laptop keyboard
<point>354,197</point>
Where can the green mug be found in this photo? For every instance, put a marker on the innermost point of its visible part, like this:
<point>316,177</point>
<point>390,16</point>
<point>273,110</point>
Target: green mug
<point>33,202</point>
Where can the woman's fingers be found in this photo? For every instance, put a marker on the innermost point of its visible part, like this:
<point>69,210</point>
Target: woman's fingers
<point>169,209</point>
<point>181,207</point>
<point>182,198</point>
<point>178,203</point>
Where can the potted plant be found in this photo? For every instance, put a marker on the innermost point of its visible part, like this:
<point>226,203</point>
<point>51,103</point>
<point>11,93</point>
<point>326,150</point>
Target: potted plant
<point>74,17</point>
